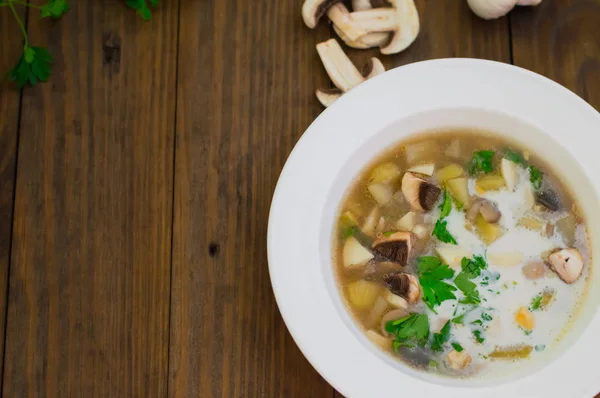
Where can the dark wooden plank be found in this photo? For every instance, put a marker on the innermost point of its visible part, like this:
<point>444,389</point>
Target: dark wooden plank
<point>10,51</point>
<point>561,40</point>
<point>89,283</point>
<point>247,75</point>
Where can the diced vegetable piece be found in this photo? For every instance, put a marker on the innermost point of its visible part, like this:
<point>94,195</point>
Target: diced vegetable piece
<point>459,189</point>
<point>531,223</point>
<point>453,150</point>
<point>525,319</point>
<point>528,196</point>
<point>567,226</point>
<point>489,183</point>
<point>534,270</point>
<point>509,173</point>
<point>459,360</point>
<point>407,222</point>
<point>421,231</point>
<point>395,300</point>
<point>505,259</point>
<point>382,193</point>
<point>449,172</point>
<point>380,226</point>
<point>376,312</point>
<point>452,255</point>
<point>379,340</point>
<point>386,173</point>
<point>488,232</point>
<point>371,221</point>
<point>426,169</point>
<point>547,297</point>
<point>420,150</point>
<point>354,253</point>
<point>348,219</point>
<point>511,353</point>
<point>362,294</point>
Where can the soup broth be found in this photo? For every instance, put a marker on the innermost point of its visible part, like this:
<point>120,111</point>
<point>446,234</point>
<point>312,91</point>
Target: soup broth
<point>461,253</point>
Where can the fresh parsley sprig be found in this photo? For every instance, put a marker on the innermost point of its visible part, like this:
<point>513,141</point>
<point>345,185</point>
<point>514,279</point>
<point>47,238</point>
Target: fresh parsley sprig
<point>409,331</point>
<point>432,274</point>
<point>536,176</point>
<point>441,338</point>
<point>470,269</point>
<point>481,162</point>
<point>440,229</point>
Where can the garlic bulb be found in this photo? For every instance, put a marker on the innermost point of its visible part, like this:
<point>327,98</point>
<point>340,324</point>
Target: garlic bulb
<point>492,9</point>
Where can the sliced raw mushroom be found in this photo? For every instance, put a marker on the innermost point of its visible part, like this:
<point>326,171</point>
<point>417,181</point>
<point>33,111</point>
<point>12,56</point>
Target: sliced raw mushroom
<point>403,285</point>
<point>342,71</point>
<point>420,194</point>
<point>367,41</point>
<point>567,263</point>
<point>401,19</point>
<point>397,247</point>
<point>343,21</point>
<point>548,199</point>
<point>393,315</point>
<point>488,210</point>
<point>376,270</point>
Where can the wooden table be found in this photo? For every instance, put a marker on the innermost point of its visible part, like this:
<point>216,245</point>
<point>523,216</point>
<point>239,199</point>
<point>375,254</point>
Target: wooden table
<point>135,185</point>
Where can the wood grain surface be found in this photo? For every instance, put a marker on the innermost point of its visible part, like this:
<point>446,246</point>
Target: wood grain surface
<point>88,309</point>
<point>145,172</point>
<point>10,98</point>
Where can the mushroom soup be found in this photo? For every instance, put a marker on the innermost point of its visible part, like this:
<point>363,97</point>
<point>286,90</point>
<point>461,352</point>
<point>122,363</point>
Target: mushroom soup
<point>461,253</point>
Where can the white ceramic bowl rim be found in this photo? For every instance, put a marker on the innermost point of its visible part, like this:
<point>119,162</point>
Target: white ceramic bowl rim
<point>301,274</point>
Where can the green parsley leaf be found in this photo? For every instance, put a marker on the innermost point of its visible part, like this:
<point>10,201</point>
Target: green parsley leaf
<point>457,347</point>
<point>440,231</point>
<point>459,319</point>
<point>486,317</point>
<point>432,273</point>
<point>477,322</point>
<point>477,334</point>
<point>482,161</point>
<point>514,156</point>
<point>142,8</point>
<point>350,231</point>
<point>439,339</point>
<point>389,233</point>
<point>536,177</point>
<point>536,303</point>
<point>33,66</point>
<point>472,268</point>
<point>54,9</point>
<point>409,331</point>
<point>446,206</point>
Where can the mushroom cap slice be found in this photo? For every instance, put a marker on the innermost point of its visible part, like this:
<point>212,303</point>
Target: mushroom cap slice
<point>548,199</point>
<point>397,247</point>
<point>567,263</point>
<point>421,194</point>
<point>408,27</point>
<point>340,69</point>
<point>328,96</point>
<point>403,285</point>
<point>486,208</point>
<point>313,10</point>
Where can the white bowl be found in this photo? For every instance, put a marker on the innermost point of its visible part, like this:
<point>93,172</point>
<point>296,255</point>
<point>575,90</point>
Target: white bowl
<point>511,101</point>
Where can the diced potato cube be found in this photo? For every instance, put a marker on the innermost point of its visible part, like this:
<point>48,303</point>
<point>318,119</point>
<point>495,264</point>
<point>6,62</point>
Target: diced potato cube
<point>362,294</point>
<point>395,300</point>
<point>422,231</point>
<point>385,173</point>
<point>376,312</point>
<point>379,340</point>
<point>420,151</point>
<point>531,223</point>
<point>426,169</point>
<point>489,183</point>
<point>509,173</point>
<point>459,360</point>
<point>449,172</point>
<point>452,255</point>
<point>567,226</point>
<point>382,193</point>
<point>459,189</point>
<point>528,196</point>
<point>488,232</point>
<point>525,319</point>
<point>453,150</point>
<point>371,221</point>
<point>407,222</point>
<point>354,253</point>
<point>505,259</point>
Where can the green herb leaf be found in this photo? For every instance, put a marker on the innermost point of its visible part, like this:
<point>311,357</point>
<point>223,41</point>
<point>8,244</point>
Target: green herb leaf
<point>459,319</point>
<point>439,339</point>
<point>33,66</point>
<point>389,233</point>
<point>432,274</point>
<point>433,364</point>
<point>440,231</point>
<point>514,156</point>
<point>409,331</point>
<point>482,161</point>
<point>536,177</point>
<point>486,317</point>
<point>349,231</point>
<point>54,9</point>
<point>446,206</point>
<point>142,7</point>
<point>457,347</point>
<point>477,334</point>
<point>536,303</point>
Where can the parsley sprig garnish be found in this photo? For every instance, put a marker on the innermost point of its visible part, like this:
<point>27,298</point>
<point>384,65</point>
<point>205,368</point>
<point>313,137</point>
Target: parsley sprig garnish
<point>514,156</point>
<point>441,338</point>
<point>440,230</point>
<point>481,162</point>
<point>471,269</point>
<point>409,331</point>
<point>536,176</point>
<point>432,274</point>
